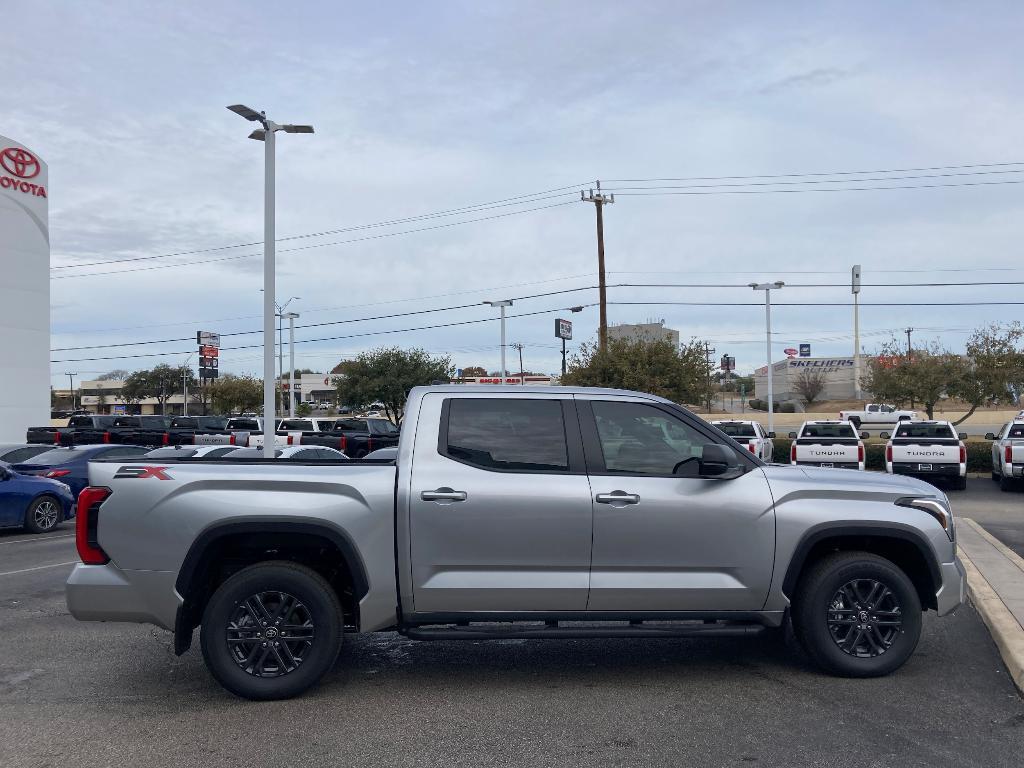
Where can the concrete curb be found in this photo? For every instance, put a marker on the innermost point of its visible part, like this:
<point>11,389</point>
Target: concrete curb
<point>1006,631</point>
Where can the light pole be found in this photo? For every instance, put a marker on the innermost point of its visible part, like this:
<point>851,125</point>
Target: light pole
<point>502,304</point>
<point>184,385</point>
<point>266,135</point>
<point>291,362</point>
<point>767,288</point>
<point>855,289</point>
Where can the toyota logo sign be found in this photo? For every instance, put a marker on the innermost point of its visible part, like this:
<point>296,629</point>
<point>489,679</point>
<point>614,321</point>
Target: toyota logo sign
<point>20,162</point>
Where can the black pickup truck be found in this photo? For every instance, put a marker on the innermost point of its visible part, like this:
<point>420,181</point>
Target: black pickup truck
<point>180,430</point>
<point>354,437</point>
<point>68,436</point>
<point>125,430</point>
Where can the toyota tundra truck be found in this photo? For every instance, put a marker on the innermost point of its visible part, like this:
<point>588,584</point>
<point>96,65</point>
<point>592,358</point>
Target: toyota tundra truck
<point>827,444</point>
<point>513,512</point>
<point>874,414</point>
<point>1008,454</point>
<point>928,449</point>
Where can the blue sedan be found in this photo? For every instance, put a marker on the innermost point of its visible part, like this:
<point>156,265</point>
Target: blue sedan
<point>71,465</point>
<point>37,503</point>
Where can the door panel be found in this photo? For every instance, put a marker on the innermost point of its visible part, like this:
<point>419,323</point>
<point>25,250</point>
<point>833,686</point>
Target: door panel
<point>687,543</point>
<point>513,536</point>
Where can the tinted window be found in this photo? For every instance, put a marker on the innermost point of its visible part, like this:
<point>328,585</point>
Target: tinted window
<point>1016,430</point>
<point>126,421</point>
<point>640,439</point>
<point>18,455</point>
<point>121,453</point>
<point>381,427</point>
<point>60,455</point>
<point>219,452</point>
<point>828,430</point>
<point>171,453</point>
<point>936,431</point>
<point>523,435</point>
<point>304,425</point>
<point>80,421</point>
<point>733,429</point>
<point>243,424</point>
<point>350,425</point>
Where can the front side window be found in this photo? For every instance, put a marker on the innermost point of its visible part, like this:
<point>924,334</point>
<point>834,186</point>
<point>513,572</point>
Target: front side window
<point>512,435</point>
<point>639,439</point>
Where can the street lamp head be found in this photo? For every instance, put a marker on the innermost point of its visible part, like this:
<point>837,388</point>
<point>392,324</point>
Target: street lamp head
<point>575,309</point>
<point>259,135</point>
<point>290,315</point>
<point>766,286</point>
<point>247,112</point>
<point>297,128</point>
<point>502,303</point>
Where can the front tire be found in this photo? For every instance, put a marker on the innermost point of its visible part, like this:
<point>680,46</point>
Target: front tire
<point>44,515</point>
<point>271,631</point>
<point>857,615</point>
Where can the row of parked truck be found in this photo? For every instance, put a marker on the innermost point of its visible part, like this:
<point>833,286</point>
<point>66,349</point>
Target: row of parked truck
<point>353,436</point>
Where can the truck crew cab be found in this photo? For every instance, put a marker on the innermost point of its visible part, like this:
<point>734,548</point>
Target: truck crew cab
<point>927,449</point>
<point>513,512</point>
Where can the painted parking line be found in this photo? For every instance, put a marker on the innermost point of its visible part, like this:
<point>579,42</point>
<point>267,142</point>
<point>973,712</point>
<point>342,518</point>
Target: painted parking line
<point>30,540</point>
<point>39,568</point>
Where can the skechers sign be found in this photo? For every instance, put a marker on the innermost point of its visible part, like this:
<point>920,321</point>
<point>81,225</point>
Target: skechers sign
<point>18,166</point>
<point>827,363</point>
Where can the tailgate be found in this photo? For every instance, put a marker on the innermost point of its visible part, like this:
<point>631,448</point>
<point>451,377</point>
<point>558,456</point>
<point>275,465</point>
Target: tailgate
<point>929,452</point>
<point>827,451</point>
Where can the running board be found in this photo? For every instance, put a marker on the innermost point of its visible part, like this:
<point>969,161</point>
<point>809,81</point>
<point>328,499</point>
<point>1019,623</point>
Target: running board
<point>513,632</point>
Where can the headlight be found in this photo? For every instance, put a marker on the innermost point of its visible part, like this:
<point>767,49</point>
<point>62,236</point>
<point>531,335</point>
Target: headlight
<point>937,508</point>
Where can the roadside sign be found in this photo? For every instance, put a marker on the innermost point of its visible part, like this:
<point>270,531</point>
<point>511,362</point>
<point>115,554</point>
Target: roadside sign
<point>209,362</point>
<point>209,351</point>
<point>207,339</point>
<point>805,350</point>
<point>563,329</point>
<point>790,352</point>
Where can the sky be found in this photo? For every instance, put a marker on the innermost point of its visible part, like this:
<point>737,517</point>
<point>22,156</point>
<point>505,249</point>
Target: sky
<point>474,126</point>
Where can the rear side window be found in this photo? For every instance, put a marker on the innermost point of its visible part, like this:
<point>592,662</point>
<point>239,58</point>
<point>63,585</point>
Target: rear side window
<point>1017,430</point>
<point>934,431</point>
<point>738,430</point>
<point>304,425</point>
<point>511,435</point>
<point>243,424</point>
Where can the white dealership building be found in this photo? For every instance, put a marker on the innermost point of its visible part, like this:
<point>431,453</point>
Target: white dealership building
<point>837,373</point>
<point>24,290</point>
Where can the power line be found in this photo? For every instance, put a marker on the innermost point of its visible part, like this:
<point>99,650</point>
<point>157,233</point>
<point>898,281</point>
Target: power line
<point>323,245</point>
<point>503,203</point>
<point>819,190</point>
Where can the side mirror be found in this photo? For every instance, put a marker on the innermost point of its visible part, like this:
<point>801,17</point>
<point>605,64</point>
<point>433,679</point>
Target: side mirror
<point>884,435</point>
<point>4,474</point>
<point>771,435</point>
<point>792,435</point>
<point>990,436</point>
<point>963,435</point>
<point>864,435</point>
<point>715,461</point>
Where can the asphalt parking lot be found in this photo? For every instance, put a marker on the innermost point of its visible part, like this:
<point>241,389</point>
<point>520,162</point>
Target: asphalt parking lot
<point>109,694</point>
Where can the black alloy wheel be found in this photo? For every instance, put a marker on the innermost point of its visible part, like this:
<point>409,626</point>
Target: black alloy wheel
<point>270,633</point>
<point>864,618</point>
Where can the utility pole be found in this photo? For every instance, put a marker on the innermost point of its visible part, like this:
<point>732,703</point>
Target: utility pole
<point>522,374</point>
<point>767,288</point>
<point>502,304</point>
<point>600,200</point>
<point>708,352</point>
<point>855,288</point>
<point>291,362</point>
<point>908,331</point>
<point>71,378</point>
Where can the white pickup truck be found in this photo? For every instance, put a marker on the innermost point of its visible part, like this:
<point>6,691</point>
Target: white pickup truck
<point>1008,453</point>
<point>751,435</point>
<point>827,444</point>
<point>877,413</point>
<point>927,449</point>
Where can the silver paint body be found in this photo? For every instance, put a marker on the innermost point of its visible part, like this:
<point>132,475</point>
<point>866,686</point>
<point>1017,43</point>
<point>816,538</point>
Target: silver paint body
<point>1014,468</point>
<point>521,543</point>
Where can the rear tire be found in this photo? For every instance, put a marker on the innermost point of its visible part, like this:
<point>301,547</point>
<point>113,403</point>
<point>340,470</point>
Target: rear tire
<point>857,615</point>
<point>1006,484</point>
<point>855,421</point>
<point>271,631</point>
<point>959,483</point>
<point>44,514</point>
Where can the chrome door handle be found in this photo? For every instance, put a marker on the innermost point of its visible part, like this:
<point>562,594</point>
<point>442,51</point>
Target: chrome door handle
<point>443,494</point>
<point>617,497</point>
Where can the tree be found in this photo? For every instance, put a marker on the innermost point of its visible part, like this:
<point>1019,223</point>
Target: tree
<point>931,374</point>
<point>810,384</point>
<point>996,374</point>
<point>386,375</point>
<point>474,370</point>
<point>659,367</point>
<point>236,394</point>
<point>160,383</point>
<point>136,387</point>
<point>118,374</point>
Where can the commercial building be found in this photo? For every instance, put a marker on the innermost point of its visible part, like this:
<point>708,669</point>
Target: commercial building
<point>644,332</point>
<point>24,290</point>
<point>837,373</point>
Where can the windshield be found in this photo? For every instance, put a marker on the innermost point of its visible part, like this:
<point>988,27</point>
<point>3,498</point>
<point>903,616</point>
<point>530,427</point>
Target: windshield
<point>304,425</point>
<point>381,427</point>
<point>736,429</point>
<point>934,431</point>
<point>243,424</point>
<point>828,430</point>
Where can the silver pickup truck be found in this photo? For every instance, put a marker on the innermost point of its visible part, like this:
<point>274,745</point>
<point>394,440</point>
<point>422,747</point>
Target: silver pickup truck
<point>514,512</point>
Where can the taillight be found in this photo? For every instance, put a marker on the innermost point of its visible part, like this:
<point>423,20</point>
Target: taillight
<point>1009,454</point>
<point>792,453</point>
<point>963,453</point>
<point>232,440</point>
<point>89,501</point>
<point>56,438</point>
<point>751,447</point>
<point>888,453</point>
<point>106,437</point>
<point>860,453</point>
<point>58,473</point>
<point>289,439</point>
<point>166,439</point>
<point>369,444</point>
<point>342,443</point>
